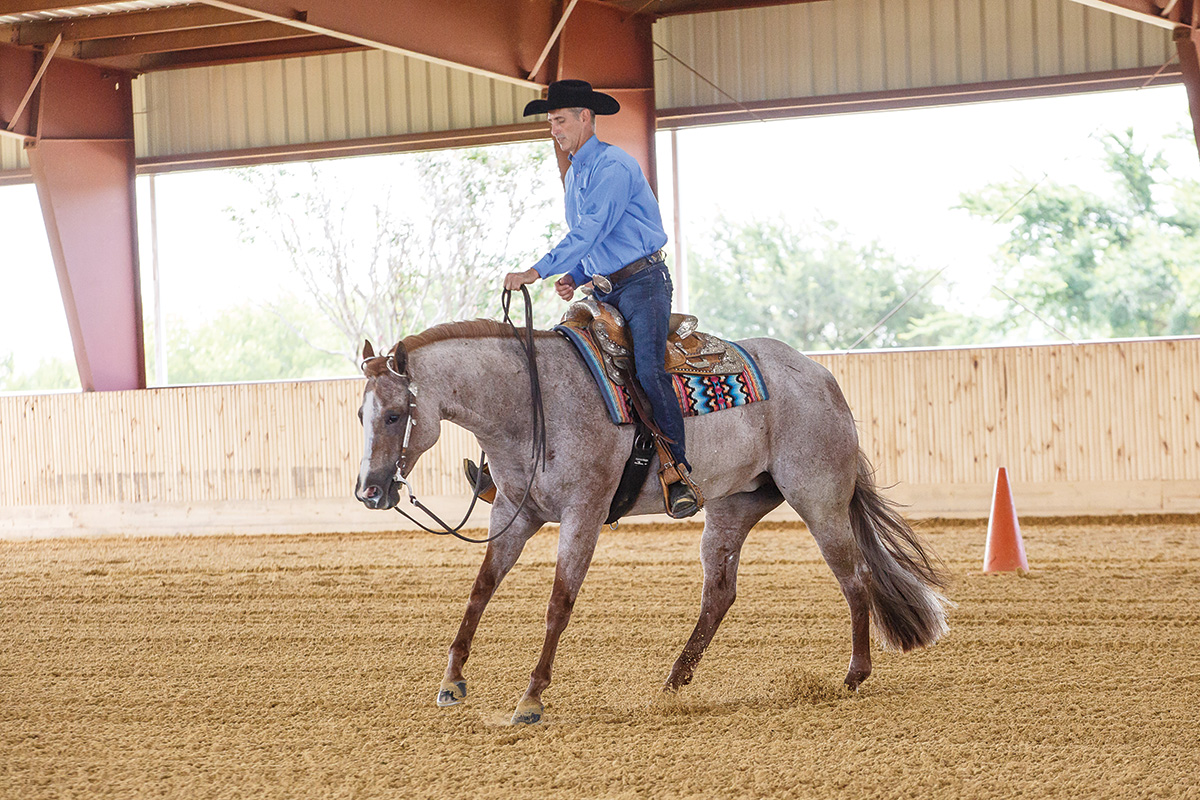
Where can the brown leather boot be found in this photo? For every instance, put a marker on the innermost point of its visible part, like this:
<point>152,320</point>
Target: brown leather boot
<point>487,488</point>
<point>680,495</point>
<point>682,501</point>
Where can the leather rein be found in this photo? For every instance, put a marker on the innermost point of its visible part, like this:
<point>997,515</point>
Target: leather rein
<point>538,417</point>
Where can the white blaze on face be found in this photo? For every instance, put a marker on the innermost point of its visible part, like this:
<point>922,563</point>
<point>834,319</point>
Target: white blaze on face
<point>370,411</point>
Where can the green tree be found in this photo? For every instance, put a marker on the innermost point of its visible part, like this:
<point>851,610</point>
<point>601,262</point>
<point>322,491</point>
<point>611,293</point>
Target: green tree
<point>380,267</point>
<point>1122,263</point>
<point>809,286</point>
<point>51,374</point>
<point>250,343</point>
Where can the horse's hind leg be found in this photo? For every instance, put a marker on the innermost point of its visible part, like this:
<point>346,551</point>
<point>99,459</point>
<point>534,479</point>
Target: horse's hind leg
<point>727,522</point>
<point>500,557</point>
<point>830,527</point>
<point>835,538</point>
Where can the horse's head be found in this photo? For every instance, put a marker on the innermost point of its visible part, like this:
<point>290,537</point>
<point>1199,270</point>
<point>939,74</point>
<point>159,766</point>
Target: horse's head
<point>388,415</point>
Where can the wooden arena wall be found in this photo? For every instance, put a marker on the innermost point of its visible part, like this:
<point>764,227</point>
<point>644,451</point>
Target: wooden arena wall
<point>1087,429</point>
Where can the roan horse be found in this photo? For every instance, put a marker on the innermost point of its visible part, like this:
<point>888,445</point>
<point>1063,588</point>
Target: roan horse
<point>800,446</point>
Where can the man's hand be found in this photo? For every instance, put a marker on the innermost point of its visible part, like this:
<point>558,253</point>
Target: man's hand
<point>565,286</point>
<point>515,280</point>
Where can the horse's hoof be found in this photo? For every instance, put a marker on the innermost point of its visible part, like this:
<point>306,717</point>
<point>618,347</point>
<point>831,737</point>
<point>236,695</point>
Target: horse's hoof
<point>856,675</point>
<point>529,712</point>
<point>452,693</point>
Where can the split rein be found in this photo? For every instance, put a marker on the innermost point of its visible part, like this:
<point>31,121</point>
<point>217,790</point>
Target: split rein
<point>537,457</point>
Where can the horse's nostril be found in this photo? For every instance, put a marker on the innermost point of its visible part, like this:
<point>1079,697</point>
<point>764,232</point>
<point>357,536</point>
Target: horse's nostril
<point>372,492</point>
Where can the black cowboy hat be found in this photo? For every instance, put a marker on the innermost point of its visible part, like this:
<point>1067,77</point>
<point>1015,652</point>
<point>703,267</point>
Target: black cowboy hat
<point>573,94</point>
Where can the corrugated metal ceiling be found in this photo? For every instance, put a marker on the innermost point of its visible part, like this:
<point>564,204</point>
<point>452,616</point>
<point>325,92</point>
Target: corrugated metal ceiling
<point>89,11</point>
<point>754,55</point>
<point>856,46</point>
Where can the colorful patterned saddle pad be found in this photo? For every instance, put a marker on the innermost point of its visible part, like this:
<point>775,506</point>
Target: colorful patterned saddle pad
<point>697,394</point>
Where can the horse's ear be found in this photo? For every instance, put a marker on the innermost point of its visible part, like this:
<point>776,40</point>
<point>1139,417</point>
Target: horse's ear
<point>368,351</point>
<point>400,355</point>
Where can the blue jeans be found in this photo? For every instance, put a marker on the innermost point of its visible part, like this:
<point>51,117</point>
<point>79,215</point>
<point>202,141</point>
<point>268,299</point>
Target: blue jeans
<point>645,302</point>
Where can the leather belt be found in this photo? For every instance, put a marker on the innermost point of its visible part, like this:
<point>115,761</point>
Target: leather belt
<point>606,283</point>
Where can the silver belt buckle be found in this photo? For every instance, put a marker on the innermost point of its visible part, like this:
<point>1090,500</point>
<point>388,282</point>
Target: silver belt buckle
<point>602,283</point>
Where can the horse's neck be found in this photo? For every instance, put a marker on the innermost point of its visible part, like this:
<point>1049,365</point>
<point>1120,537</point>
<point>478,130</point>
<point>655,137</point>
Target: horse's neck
<point>479,384</point>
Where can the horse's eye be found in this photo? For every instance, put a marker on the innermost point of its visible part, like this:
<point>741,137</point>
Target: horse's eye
<point>360,415</point>
<point>392,418</point>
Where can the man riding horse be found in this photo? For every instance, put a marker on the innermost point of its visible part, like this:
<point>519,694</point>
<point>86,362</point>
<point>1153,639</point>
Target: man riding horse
<point>615,243</point>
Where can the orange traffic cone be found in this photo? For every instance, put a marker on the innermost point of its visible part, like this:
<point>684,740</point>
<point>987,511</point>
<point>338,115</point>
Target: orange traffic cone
<point>1005,552</point>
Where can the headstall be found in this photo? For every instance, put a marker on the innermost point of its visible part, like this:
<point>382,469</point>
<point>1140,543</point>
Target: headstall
<point>539,433</point>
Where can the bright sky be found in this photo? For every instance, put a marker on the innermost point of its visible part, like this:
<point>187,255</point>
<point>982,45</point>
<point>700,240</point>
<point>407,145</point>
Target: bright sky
<point>894,176</point>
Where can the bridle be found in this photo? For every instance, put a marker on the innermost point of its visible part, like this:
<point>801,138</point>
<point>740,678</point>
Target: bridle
<point>539,434</point>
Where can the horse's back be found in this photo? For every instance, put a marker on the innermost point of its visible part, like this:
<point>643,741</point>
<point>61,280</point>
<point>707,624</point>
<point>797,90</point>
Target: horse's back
<point>794,376</point>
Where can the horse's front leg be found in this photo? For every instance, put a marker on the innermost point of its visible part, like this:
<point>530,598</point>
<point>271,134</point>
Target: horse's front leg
<point>577,538</point>
<point>500,557</point>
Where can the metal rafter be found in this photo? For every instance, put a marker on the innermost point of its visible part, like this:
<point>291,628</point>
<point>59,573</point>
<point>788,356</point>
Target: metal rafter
<point>306,45</point>
<point>245,33</point>
<point>47,57</point>
<point>67,8</point>
<point>131,23</point>
<point>1163,13</point>
<point>500,39</point>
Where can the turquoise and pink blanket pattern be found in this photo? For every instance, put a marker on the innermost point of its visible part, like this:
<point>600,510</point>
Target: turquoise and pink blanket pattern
<point>697,394</point>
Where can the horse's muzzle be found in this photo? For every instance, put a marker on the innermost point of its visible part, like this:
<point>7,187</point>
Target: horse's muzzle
<point>376,496</point>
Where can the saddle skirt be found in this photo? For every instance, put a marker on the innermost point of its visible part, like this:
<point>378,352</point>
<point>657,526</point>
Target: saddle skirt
<point>708,374</point>
<point>689,351</point>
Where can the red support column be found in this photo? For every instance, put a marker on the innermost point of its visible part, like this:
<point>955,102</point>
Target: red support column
<point>82,161</point>
<point>1187,44</point>
<point>17,69</point>
<point>615,53</point>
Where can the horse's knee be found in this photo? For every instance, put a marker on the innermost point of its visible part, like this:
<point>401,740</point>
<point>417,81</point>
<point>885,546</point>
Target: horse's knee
<point>726,600</point>
<point>562,603</point>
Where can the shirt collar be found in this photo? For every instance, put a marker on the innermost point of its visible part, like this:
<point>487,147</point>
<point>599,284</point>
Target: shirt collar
<point>589,150</point>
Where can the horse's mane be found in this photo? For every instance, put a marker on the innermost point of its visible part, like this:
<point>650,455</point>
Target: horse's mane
<point>470,329</point>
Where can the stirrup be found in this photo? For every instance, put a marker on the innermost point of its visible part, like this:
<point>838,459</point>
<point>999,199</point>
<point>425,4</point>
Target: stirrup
<point>682,501</point>
<point>681,496</point>
<point>487,487</point>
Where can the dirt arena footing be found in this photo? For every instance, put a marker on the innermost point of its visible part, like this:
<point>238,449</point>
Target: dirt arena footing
<point>295,667</point>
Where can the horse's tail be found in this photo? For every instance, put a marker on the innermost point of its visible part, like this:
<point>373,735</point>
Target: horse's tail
<point>908,609</point>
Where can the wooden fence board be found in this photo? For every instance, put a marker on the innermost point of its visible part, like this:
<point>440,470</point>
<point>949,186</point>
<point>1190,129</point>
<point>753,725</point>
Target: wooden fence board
<point>1072,423</point>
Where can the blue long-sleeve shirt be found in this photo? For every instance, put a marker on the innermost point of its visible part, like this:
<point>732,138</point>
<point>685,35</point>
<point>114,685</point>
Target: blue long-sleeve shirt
<point>613,215</point>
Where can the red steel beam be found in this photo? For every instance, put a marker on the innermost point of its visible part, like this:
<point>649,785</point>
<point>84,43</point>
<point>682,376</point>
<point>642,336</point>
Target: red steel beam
<point>231,54</point>
<point>130,23</point>
<point>819,105</point>
<point>83,166</point>
<point>17,70</point>
<point>1187,44</point>
<point>498,38</point>
<point>252,32</point>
